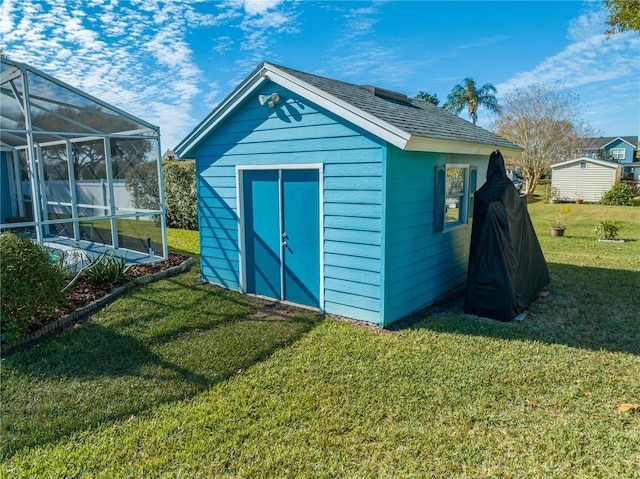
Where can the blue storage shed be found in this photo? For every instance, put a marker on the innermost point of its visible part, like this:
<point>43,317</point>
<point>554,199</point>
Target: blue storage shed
<point>350,199</point>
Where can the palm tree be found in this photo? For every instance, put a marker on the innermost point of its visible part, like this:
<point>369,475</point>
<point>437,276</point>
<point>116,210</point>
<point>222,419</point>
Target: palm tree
<point>467,95</point>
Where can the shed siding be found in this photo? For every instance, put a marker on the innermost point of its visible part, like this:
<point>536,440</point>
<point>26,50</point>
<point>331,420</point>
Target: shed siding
<point>421,266</point>
<point>298,132</point>
<point>588,183</point>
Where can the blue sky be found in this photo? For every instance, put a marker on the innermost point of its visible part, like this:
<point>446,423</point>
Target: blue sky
<point>171,62</point>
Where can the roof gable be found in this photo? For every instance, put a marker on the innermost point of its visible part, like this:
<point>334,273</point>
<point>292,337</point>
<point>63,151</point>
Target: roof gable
<point>409,124</point>
<point>607,164</point>
<point>629,140</point>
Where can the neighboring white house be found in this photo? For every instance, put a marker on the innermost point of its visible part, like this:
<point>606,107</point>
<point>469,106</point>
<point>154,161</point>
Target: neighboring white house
<point>633,169</point>
<point>584,178</point>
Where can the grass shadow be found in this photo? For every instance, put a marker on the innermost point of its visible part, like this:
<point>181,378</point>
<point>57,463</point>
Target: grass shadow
<point>534,199</point>
<point>146,349</point>
<point>588,308</point>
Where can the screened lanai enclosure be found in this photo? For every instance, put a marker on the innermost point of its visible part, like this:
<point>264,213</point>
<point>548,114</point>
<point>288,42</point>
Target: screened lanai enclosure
<point>77,174</point>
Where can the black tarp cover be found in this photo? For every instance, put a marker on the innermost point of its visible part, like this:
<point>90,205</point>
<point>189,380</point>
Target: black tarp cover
<point>507,269</point>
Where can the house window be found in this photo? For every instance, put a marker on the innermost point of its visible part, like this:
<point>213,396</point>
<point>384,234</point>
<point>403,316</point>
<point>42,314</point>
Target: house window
<point>456,195</point>
<point>618,153</point>
<point>455,186</point>
<point>583,165</point>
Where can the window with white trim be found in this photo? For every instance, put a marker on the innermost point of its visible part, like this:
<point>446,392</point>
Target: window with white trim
<point>455,185</point>
<point>456,195</point>
<point>618,153</point>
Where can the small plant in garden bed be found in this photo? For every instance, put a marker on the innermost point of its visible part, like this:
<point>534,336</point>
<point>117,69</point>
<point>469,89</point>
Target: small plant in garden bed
<point>608,230</point>
<point>108,269</point>
<point>85,290</point>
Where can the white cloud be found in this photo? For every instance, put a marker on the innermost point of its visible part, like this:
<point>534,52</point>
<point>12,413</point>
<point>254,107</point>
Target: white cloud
<point>133,55</point>
<point>260,7</point>
<point>174,125</point>
<point>6,15</point>
<point>590,23</point>
<point>593,60</point>
<point>211,95</point>
<point>136,55</point>
<point>261,23</point>
<point>603,71</point>
<point>359,22</point>
<point>223,44</point>
<point>590,58</point>
<point>357,54</point>
<point>85,38</point>
<point>370,61</point>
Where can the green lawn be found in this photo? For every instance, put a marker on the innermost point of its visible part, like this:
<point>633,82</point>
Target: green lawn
<point>177,379</point>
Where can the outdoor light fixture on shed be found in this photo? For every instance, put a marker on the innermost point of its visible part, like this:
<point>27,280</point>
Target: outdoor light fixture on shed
<point>269,100</point>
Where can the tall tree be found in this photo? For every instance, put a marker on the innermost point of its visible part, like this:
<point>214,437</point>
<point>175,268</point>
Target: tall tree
<point>545,121</point>
<point>423,95</point>
<point>467,95</point>
<point>624,15</point>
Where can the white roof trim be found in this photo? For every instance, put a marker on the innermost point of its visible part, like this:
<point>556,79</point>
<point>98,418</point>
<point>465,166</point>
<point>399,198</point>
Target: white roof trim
<point>608,164</point>
<point>374,125</point>
<point>436,145</point>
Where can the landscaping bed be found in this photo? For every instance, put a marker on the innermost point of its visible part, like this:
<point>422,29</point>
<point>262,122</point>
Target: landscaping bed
<point>85,297</point>
<point>84,291</point>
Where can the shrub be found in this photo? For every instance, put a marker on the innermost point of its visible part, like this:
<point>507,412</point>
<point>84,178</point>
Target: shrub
<point>106,268</point>
<point>607,230</point>
<point>180,197</point>
<point>620,194</point>
<point>31,286</point>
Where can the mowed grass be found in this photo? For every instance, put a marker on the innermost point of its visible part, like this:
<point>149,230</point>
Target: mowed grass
<point>177,379</point>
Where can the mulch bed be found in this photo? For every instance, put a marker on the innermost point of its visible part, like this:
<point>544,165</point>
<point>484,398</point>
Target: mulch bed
<point>84,291</point>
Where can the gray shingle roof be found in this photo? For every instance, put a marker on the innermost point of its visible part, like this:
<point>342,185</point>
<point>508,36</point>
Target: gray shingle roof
<point>415,116</point>
<point>374,108</point>
<point>598,142</point>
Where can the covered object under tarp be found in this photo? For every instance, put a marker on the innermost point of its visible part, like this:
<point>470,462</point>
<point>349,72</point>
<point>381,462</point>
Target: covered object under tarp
<point>507,269</point>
